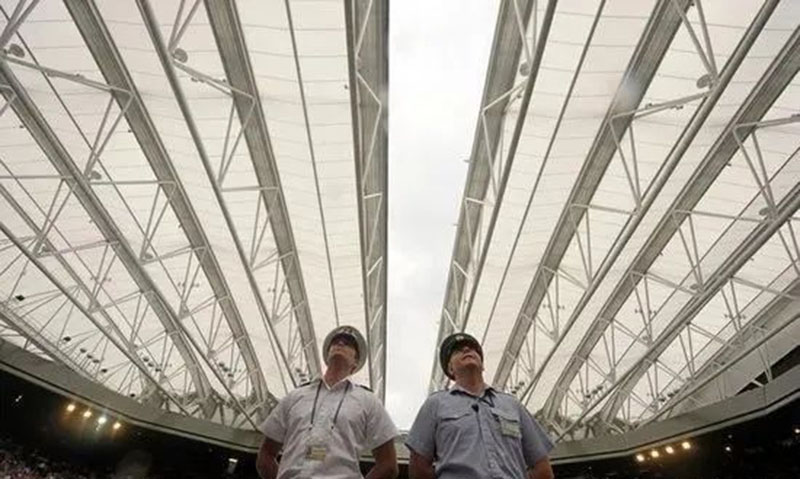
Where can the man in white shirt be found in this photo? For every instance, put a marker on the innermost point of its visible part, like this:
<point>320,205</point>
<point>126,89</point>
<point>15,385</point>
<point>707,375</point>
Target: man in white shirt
<point>323,426</point>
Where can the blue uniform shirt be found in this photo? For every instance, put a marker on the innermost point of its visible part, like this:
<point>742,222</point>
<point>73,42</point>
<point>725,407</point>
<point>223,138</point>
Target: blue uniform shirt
<point>491,436</point>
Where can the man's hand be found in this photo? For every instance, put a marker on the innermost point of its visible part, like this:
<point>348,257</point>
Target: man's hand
<point>385,462</point>
<point>421,467</point>
<point>267,460</point>
<point>541,470</point>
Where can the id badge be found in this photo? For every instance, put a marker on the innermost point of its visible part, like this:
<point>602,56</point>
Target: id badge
<point>510,428</point>
<point>316,453</point>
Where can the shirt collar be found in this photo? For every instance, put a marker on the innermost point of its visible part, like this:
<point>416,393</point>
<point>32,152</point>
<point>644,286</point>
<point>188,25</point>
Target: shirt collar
<point>342,383</point>
<point>489,390</point>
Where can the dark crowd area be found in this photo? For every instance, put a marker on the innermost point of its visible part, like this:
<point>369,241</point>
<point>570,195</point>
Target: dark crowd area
<point>39,439</point>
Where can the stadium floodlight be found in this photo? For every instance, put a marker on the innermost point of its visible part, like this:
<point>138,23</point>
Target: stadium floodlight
<point>686,445</point>
<point>117,425</point>
<point>654,454</point>
<point>71,407</point>
<point>670,450</point>
<point>640,458</point>
<point>102,420</point>
<point>87,413</point>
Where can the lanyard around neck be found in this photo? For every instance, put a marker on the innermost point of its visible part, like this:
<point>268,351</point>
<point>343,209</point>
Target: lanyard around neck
<point>339,407</point>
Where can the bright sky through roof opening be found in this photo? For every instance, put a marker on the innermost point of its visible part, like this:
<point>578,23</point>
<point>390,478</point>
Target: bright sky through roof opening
<point>438,53</point>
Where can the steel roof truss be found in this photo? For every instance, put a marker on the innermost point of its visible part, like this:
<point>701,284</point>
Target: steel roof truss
<point>657,38</point>
<point>366,22</point>
<point>490,166</point>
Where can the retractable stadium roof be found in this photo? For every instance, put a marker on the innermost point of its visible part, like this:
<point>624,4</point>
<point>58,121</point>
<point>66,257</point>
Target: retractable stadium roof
<point>193,193</point>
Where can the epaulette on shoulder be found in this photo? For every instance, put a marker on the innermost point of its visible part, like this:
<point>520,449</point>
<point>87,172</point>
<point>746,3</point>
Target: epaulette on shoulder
<point>503,393</point>
<point>307,383</point>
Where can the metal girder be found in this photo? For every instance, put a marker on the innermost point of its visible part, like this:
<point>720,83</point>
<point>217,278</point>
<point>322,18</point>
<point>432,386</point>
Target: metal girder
<point>644,203</point>
<point>227,28</point>
<point>758,331</point>
<point>98,39</point>
<point>367,23</point>
<point>507,49</point>
<point>47,140</point>
<point>658,35</point>
<point>755,106</point>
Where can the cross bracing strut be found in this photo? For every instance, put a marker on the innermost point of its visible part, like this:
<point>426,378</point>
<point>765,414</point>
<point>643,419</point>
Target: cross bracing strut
<point>755,106</point>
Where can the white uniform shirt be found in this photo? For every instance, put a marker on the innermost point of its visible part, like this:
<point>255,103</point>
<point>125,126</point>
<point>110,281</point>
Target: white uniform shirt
<point>361,425</point>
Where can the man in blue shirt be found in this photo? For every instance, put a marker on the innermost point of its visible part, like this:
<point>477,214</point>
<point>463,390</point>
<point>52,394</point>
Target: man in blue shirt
<point>472,430</point>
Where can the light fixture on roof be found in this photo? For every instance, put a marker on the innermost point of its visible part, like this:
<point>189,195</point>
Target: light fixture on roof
<point>640,458</point>
<point>686,445</point>
<point>16,50</point>
<point>728,448</point>
<point>87,413</point>
<point>102,420</point>
<point>71,407</point>
<point>95,175</point>
<point>704,81</point>
<point>670,450</point>
<point>655,454</point>
<point>179,54</point>
<point>116,425</point>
